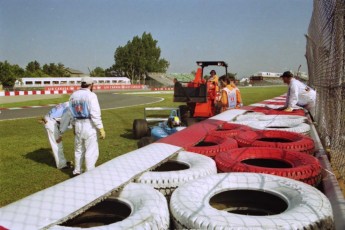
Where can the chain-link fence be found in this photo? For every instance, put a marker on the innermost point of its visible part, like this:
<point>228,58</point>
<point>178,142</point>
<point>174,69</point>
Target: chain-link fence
<point>325,55</point>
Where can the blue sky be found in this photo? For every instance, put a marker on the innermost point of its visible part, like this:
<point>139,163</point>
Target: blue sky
<point>250,35</point>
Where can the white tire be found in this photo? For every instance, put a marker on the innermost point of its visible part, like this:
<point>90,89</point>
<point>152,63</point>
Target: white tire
<point>263,117</point>
<point>249,116</point>
<point>196,166</point>
<point>291,125</point>
<point>300,119</point>
<point>278,203</point>
<point>148,210</point>
<point>275,100</point>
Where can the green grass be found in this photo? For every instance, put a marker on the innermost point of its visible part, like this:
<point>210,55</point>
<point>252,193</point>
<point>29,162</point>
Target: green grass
<point>57,100</point>
<point>26,162</point>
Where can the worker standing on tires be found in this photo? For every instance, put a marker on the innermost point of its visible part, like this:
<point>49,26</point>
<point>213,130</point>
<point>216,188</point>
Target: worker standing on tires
<point>86,112</point>
<point>230,95</point>
<point>51,122</point>
<point>298,95</point>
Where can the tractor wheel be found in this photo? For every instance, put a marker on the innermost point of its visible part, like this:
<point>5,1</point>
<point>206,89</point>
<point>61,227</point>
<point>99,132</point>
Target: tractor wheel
<point>140,128</point>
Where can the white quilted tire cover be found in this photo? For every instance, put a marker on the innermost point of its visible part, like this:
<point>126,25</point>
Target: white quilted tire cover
<point>167,182</point>
<point>249,116</point>
<point>266,105</point>
<point>301,119</point>
<point>275,100</point>
<point>307,207</point>
<point>291,125</point>
<point>149,210</point>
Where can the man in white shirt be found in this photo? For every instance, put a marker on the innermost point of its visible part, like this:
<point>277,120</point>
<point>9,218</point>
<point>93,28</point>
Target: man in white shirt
<point>85,110</point>
<point>299,95</point>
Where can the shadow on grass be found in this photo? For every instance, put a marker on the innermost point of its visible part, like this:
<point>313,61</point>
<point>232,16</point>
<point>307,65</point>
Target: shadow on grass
<point>128,134</point>
<point>45,156</point>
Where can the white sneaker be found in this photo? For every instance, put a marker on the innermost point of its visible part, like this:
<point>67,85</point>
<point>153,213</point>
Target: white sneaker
<point>76,173</point>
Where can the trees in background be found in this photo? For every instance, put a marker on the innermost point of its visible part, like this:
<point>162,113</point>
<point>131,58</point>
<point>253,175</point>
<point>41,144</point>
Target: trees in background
<point>9,73</point>
<point>54,70</point>
<point>33,69</point>
<point>135,60</point>
<point>98,72</point>
<point>139,57</point>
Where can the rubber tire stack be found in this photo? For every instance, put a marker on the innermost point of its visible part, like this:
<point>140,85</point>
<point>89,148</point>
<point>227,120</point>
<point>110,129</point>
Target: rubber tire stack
<point>216,144</point>
<point>166,182</point>
<point>285,140</point>
<point>149,209</point>
<point>229,130</point>
<point>306,207</point>
<point>301,166</point>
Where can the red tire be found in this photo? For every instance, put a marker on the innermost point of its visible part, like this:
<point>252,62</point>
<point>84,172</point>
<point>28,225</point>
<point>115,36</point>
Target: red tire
<point>290,164</point>
<point>276,139</point>
<point>230,130</point>
<point>212,145</point>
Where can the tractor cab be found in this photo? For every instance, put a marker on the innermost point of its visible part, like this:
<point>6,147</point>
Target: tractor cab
<point>200,94</point>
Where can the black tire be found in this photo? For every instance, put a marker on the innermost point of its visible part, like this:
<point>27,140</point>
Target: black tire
<point>140,128</point>
<point>145,141</point>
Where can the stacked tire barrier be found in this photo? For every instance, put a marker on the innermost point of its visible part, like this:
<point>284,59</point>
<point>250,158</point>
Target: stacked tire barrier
<point>243,195</point>
<point>290,164</point>
<point>184,167</point>
<point>249,201</point>
<point>276,139</point>
<point>287,154</point>
<point>127,209</point>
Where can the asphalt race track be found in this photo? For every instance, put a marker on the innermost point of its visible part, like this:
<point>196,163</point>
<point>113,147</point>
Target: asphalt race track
<point>106,101</point>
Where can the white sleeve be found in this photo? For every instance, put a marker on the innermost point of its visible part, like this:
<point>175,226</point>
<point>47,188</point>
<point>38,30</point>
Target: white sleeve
<point>66,120</point>
<point>95,111</point>
<point>293,95</point>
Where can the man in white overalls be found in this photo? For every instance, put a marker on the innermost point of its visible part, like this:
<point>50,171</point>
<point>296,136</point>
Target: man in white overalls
<point>86,112</point>
<point>52,124</point>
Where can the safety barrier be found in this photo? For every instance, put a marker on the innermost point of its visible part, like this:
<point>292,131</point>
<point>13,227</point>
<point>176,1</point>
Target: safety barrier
<point>69,89</point>
<point>59,203</point>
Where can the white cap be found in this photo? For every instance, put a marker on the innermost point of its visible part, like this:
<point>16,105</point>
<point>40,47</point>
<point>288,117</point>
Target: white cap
<point>87,80</point>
